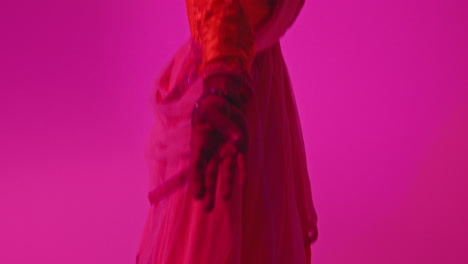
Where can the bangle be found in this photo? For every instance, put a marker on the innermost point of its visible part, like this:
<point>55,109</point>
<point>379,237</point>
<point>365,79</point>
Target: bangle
<point>225,86</point>
<point>237,88</point>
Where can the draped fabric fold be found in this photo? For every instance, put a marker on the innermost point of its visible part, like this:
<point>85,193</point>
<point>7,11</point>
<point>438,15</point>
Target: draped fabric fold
<point>271,219</point>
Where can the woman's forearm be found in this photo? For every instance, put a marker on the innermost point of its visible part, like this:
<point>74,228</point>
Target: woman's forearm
<point>222,29</point>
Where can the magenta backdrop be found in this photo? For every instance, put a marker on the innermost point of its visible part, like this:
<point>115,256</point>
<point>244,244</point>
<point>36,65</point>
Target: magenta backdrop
<point>382,90</point>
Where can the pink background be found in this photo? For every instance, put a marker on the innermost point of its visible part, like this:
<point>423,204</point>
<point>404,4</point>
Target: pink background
<point>382,90</point>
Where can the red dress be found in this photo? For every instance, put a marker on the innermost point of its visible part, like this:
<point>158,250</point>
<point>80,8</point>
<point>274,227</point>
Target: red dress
<point>271,218</point>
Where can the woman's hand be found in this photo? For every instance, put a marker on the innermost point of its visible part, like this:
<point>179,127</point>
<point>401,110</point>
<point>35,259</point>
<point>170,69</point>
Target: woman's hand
<point>219,144</point>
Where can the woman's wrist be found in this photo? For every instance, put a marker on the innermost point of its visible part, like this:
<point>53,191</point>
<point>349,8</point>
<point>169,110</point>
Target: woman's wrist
<point>234,91</point>
<point>227,80</point>
<point>228,87</point>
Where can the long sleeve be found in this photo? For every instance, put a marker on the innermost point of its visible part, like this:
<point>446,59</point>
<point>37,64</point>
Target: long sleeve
<point>224,32</point>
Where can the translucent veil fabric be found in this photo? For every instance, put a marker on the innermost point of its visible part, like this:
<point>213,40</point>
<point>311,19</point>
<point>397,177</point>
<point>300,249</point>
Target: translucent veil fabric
<point>271,219</point>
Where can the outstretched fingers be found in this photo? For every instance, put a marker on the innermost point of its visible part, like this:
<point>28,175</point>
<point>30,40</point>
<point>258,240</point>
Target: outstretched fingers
<point>227,170</point>
<point>231,124</point>
<point>196,178</point>
<point>219,142</point>
<point>241,169</point>
<point>210,184</point>
<point>203,148</point>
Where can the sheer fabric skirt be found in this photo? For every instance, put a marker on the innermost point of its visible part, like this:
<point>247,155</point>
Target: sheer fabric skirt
<point>269,218</point>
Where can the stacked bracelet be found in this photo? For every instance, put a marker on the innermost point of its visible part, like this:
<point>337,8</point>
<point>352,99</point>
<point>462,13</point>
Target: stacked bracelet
<point>237,88</point>
<point>234,85</point>
<point>235,91</point>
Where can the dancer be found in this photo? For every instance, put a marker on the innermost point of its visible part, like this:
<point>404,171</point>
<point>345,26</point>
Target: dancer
<point>228,172</point>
